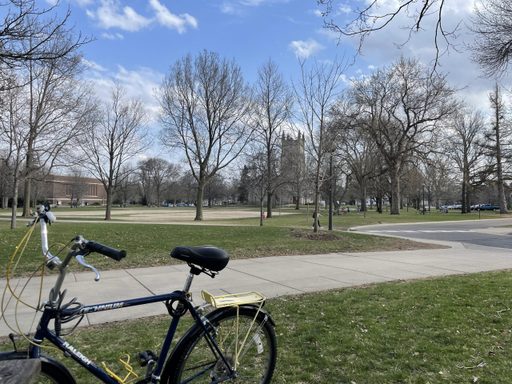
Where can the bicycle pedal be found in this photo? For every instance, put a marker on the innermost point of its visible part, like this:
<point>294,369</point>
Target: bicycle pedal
<point>146,357</point>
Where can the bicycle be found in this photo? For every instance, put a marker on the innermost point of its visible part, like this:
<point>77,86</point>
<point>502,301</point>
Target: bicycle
<point>232,338</point>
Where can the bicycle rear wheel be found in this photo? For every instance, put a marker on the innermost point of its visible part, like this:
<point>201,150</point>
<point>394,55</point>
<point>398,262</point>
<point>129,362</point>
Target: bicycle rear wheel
<point>247,341</point>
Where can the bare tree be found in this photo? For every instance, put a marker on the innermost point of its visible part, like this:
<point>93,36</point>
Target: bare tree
<point>400,108</point>
<point>118,137</point>
<point>204,103</point>
<point>154,174</point>
<point>59,106</point>
<point>357,150</point>
<point>14,135</point>
<point>272,107</point>
<point>377,15</point>
<point>463,146</point>
<point>492,24</point>
<point>29,33</point>
<point>5,187</point>
<point>495,144</point>
<point>316,92</point>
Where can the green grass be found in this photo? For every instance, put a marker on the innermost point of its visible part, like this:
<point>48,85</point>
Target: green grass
<point>149,244</point>
<point>443,330</point>
<point>291,218</point>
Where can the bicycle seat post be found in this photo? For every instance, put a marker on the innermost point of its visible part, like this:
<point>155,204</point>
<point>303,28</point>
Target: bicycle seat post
<point>188,283</point>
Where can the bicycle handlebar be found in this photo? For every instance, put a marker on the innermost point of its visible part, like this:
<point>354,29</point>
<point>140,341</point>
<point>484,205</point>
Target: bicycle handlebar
<point>113,253</point>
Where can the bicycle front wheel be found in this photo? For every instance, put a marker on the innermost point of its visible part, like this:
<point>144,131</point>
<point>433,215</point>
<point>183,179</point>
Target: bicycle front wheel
<point>52,371</point>
<point>248,343</point>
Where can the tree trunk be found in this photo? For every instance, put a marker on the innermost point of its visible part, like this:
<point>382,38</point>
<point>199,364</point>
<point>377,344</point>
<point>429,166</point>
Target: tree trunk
<point>331,191</point>
<point>316,213</point>
<point>26,197</point>
<point>108,209</point>
<point>395,190</point>
<point>363,197</point>
<point>269,204</point>
<point>498,111</point>
<point>378,203</point>
<point>199,202</point>
<point>499,166</point>
<point>466,204</point>
<point>261,211</point>
<point>14,203</point>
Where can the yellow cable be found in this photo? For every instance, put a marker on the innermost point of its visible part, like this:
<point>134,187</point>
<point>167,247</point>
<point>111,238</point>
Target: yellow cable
<point>25,239</point>
<point>10,269</point>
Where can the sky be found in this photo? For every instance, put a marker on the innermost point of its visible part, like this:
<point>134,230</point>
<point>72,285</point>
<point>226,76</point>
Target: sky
<point>137,41</point>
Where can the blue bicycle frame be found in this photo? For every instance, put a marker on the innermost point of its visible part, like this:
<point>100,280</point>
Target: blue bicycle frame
<point>49,313</point>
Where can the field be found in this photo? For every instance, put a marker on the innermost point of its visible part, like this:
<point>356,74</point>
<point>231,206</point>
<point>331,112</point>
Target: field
<point>444,330</point>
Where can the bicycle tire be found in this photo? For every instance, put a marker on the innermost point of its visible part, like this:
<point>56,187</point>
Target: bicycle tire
<point>193,360</point>
<point>51,374</point>
<point>52,371</point>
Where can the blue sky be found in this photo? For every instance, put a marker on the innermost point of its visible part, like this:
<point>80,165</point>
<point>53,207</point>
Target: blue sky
<point>155,33</point>
<point>136,41</point>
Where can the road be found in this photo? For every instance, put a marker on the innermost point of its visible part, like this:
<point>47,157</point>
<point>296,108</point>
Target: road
<point>489,233</point>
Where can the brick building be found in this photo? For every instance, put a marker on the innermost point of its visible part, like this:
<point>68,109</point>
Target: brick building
<point>73,190</point>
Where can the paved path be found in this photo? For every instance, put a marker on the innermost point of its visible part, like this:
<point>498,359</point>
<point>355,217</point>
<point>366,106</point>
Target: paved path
<point>272,276</point>
<point>488,232</point>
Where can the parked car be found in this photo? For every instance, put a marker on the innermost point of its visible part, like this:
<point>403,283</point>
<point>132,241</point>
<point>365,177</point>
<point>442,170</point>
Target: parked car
<point>488,207</point>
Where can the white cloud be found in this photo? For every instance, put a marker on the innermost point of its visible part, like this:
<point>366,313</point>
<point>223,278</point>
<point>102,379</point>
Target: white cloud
<point>112,36</point>
<point>318,13</point>
<point>237,7</point>
<point>252,3</point>
<point>84,3</point>
<point>170,20</point>
<point>344,9</point>
<point>139,83</point>
<point>93,65</point>
<point>304,49</point>
<point>110,14</point>
<point>230,8</point>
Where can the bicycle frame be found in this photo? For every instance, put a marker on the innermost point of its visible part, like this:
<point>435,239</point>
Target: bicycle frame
<point>50,313</point>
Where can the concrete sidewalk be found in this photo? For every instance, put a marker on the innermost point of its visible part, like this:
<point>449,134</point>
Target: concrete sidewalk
<point>272,276</point>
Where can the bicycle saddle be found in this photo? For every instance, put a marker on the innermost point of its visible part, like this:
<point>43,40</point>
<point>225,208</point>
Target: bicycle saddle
<point>208,257</point>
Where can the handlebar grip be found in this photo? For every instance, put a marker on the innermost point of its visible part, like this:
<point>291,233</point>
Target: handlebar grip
<point>113,253</point>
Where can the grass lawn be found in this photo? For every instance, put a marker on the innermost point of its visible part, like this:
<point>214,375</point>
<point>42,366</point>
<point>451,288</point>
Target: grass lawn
<point>291,218</point>
<point>149,244</point>
<point>443,330</point>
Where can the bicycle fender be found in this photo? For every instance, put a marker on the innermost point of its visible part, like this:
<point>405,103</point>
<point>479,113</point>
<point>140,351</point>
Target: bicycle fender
<point>60,367</point>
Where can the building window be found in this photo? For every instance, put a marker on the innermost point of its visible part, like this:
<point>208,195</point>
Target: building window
<point>93,189</point>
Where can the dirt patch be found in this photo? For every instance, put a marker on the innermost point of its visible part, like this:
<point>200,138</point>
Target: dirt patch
<point>325,236</point>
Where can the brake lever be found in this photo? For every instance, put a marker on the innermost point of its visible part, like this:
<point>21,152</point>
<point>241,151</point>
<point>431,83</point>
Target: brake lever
<point>81,261</point>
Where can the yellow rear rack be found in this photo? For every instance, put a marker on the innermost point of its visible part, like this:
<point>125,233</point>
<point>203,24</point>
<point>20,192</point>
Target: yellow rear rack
<point>233,300</point>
